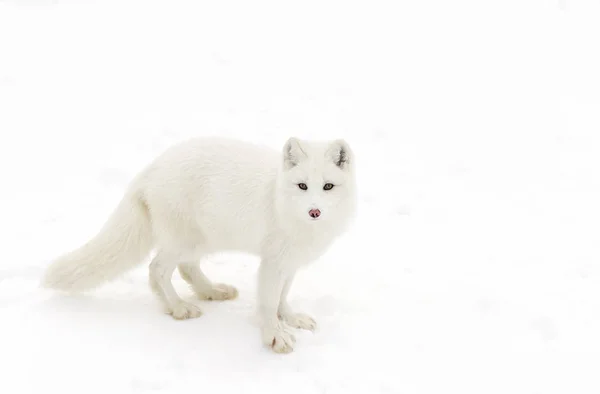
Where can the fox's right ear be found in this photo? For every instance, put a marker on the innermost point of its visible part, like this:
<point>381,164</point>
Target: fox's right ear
<point>341,155</point>
<point>292,153</point>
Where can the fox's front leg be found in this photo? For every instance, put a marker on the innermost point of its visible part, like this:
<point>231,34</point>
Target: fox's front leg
<point>285,312</point>
<point>271,281</point>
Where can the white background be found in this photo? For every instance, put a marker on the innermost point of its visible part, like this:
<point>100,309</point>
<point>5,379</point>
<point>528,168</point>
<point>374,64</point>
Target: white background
<point>473,265</point>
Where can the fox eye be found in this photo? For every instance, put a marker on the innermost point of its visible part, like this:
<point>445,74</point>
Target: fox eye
<point>328,186</point>
<point>303,186</point>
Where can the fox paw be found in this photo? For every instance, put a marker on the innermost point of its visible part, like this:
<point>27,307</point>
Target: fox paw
<point>185,310</point>
<point>219,292</point>
<point>278,338</point>
<point>300,320</point>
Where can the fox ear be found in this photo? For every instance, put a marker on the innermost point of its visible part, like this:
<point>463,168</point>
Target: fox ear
<point>292,153</point>
<point>341,155</point>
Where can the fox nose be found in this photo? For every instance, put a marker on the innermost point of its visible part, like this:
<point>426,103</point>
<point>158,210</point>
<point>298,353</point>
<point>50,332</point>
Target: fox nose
<point>314,213</point>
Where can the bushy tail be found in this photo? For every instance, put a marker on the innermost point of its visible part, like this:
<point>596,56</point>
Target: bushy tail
<point>122,243</point>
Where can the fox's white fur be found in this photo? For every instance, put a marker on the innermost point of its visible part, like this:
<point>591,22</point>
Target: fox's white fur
<point>212,194</point>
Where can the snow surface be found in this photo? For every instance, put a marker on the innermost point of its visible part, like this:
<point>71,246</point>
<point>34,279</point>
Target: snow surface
<point>473,265</point>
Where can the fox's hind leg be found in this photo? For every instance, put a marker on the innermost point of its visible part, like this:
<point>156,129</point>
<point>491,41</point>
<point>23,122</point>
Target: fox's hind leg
<point>202,286</point>
<point>161,273</point>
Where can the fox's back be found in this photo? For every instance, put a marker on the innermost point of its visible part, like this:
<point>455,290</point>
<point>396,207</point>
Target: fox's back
<point>218,189</point>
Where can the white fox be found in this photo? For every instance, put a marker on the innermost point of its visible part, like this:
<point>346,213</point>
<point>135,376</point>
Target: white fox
<point>208,195</point>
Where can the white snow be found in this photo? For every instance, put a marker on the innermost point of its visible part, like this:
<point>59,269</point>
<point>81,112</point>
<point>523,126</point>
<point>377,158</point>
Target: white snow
<point>473,265</point>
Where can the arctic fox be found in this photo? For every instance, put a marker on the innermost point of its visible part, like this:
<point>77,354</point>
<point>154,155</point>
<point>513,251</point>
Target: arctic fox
<point>212,194</point>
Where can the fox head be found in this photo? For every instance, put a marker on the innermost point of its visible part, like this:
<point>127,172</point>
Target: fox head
<point>317,181</point>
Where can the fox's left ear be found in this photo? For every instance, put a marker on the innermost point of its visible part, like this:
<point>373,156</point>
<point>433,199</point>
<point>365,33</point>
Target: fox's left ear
<point>292,153</point>
<point>340,153</point>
